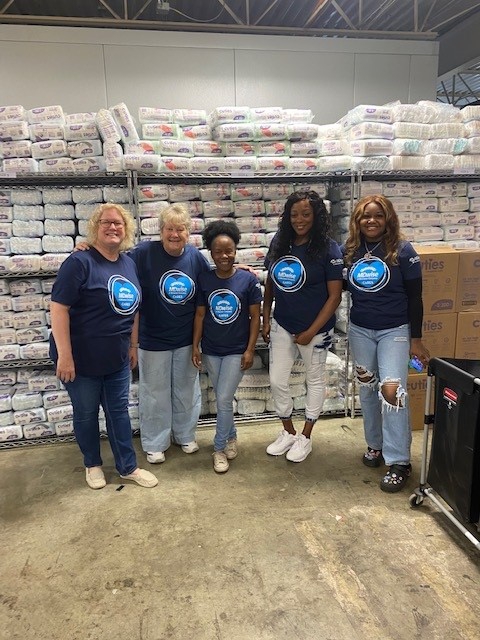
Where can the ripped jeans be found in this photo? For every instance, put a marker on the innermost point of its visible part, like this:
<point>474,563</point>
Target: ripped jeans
<point>283,353</point>
<point>384,354</point>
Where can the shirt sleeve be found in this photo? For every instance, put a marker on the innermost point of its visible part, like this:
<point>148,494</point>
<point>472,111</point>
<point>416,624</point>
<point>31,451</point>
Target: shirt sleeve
<point>334,264</point>
<point>69,281</point>
<point>409,262</point>
<point>254,290</point>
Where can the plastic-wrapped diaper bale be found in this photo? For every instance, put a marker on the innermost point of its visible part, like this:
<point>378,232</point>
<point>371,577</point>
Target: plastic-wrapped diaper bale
<point>159,130</point>
<point>113,154</point>
<point>189,117</point>
<point>234,132</point>
<point>84,148</point>
<point>142,147</point>
<point>11,131</point>
<point>18,149</point>
<point>245,191</point>
<point>81,131</point>
<point>207,148</point>
<point>12,112</point>
<point>56,165</point>
<point>196,132</point>
<point>226,115</point>
<point>245,148</point>
<point>20,165</point>
<point>154,114</point>
<point>53,113</point>
<point>107,126</point>
<point>124,122</point>
<point>89,165</point>
<point>150,192</point>
<point>49,149</point>
<point>46,131</point>
<point>234,164</point>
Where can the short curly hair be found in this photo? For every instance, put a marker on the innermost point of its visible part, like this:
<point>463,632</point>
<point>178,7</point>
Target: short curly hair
<point>94,223</point>
<point>221,228</point>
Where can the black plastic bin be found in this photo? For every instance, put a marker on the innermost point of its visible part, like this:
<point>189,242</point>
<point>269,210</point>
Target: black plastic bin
<point>454,468</point>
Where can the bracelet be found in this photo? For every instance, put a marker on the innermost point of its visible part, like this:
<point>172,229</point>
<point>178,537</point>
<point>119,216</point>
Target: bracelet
<point>134,346</point>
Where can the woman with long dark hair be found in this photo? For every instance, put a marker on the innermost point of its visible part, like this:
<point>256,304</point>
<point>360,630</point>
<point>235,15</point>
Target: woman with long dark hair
<point>305,281</point>
<point>385,281</point>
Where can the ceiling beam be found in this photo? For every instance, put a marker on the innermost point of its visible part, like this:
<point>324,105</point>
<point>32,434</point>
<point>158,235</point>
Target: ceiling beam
<point>270,6</point>
<point>142,9</point>
<point>344,15</point>
<point>457,15</point>
<point>6,5</point>
<point>211,27</point>
<point>472,92</point>
<point>115,15</point>
<point>321,4</point>
<point>228,10</point>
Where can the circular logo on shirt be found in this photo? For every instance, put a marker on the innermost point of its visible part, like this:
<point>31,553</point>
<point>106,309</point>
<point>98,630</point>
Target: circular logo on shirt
<point>288,273</point>
<point>123,294</point>
<point>176,287</point>
<point>369,274</point>
<point>224,306</point>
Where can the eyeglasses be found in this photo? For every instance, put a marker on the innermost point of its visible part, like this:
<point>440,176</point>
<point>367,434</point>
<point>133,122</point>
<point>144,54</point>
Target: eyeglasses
<point>108,223</point>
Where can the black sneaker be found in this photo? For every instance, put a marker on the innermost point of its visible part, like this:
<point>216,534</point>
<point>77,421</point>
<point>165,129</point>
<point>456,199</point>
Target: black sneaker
<point>372,458</point>
<point>395,478</point>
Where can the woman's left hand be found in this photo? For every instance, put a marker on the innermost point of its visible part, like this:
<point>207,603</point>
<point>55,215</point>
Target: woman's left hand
<point>418,349</point>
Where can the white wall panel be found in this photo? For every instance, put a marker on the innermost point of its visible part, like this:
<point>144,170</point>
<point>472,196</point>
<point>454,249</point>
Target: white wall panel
<point>171,78</point>
<point>36,74</point>
<point>381,79</point>
<point>322,82</point>
<point>423,78</point>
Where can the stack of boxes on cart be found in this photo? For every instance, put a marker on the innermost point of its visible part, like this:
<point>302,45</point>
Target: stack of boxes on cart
<point>451,321</point>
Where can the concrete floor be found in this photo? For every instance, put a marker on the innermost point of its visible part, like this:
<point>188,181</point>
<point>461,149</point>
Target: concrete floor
<point>269,551</point>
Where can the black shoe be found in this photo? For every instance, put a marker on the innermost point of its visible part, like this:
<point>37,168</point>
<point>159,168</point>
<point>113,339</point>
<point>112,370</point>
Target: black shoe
<point>395,478</point>
<point>372,458</point>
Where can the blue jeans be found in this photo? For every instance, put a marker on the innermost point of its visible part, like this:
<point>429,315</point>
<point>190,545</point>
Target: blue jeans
<point>381,356</point>
<point>87,393</point>
<point>169,398</point>
<point>225,374</point>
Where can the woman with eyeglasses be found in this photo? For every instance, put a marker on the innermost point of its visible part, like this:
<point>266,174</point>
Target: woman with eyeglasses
<point>305,283</point>
<point>94,316</point>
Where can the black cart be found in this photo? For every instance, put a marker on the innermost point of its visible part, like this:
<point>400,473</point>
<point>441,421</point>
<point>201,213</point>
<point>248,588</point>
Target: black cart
<point>453,474</point>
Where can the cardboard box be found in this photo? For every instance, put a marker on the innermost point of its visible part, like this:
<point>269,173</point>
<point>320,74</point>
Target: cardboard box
<point>467,344</point>
<point>439,274</point>
<point>468,282</point>
<point>417,393</point>
<point>439,332</point>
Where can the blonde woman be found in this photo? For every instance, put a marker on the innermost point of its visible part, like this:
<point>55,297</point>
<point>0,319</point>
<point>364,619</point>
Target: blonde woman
<point>169,389</point>
<point>94,309</point>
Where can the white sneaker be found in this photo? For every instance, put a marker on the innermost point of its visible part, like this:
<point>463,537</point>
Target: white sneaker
<point>282,444</point>
<point>220,462</point>
<point>300,449</point>
<point>231,450</point>
<point>190,447</point>
<point>155,458</point>
<point>95,477</point>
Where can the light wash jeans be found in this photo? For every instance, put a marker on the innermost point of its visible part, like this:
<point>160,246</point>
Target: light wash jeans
<point>169,398</point>
<point>283,353</point>
<point>87,393</point>
<point>384,353</point>
<point>225,374</point>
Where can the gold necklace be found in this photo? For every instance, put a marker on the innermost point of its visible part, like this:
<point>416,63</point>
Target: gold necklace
<point>368,255</point>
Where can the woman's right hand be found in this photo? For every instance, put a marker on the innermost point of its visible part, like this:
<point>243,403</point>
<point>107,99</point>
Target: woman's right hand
<point>81,246</point>
<point>196,357</point>
<point>65,369</point>
<point>266,331</point>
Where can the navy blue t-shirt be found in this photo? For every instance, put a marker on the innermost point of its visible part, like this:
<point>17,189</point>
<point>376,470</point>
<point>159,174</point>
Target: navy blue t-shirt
<point>226,327</point>
<point>300,286</point>
<point>103,297</point>
<point>169,292</point>
<point>379,298</point>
